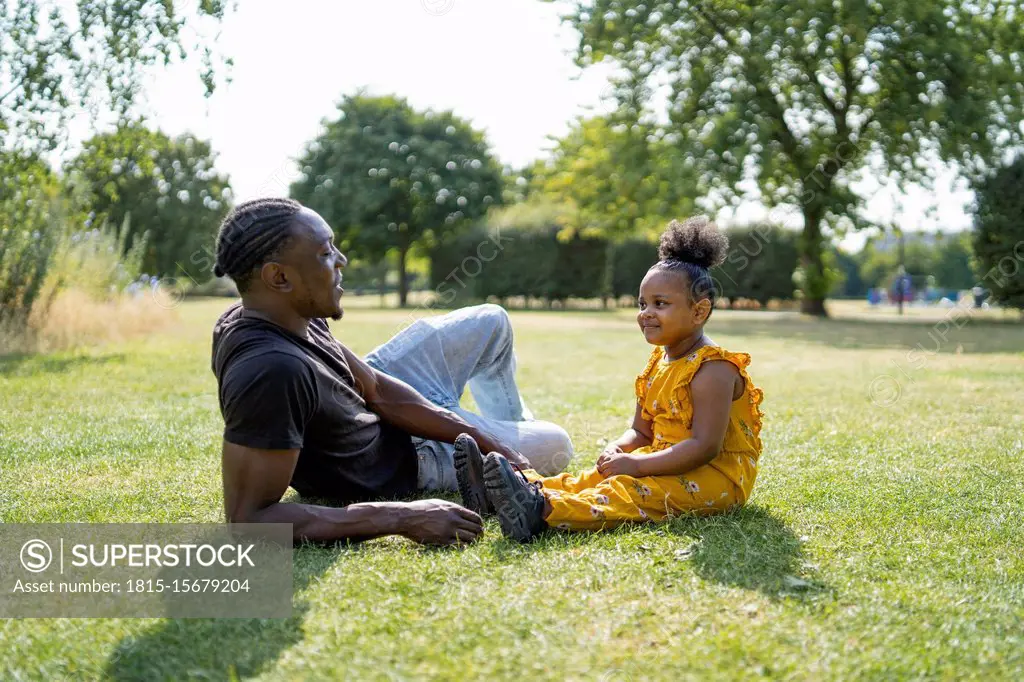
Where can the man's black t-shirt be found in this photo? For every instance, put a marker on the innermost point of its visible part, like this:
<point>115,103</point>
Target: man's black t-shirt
<point>279,391</point>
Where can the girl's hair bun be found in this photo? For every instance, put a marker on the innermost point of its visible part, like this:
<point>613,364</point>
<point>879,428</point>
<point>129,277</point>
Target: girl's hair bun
<point>696,240</point>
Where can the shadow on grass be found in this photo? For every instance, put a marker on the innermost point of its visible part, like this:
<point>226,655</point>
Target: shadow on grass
<point>27,364</point>
<point>749,548</point>
<point>219,649</point>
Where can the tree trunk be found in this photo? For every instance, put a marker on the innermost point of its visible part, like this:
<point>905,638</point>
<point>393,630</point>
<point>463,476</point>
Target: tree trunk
<point>814,306</point>
<point>902,270</point>
<point>608,277</point>
<point>403,283</point>
<point>382,283</point>
<point>815,284</point>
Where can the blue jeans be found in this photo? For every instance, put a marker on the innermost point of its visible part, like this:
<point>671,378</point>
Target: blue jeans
<point>439,357</point>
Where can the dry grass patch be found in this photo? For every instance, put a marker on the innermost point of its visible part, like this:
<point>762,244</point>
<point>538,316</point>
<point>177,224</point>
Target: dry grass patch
<point>76,320</point>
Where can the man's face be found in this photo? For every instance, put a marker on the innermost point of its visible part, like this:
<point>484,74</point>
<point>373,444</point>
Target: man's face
<point>312,265</point>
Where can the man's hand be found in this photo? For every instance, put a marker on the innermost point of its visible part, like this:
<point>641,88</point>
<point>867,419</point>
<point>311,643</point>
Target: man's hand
<point>255,480</point>
<point>488,443</point>
<point>613,464</point>
<point>439,522</point>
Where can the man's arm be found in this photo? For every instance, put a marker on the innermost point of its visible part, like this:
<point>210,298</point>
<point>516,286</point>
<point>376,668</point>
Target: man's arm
<point>400,404</point>
<point>255,480</point>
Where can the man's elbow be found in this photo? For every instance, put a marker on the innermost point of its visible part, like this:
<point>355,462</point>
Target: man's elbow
<point>245,514</point>
<point>238,517</point>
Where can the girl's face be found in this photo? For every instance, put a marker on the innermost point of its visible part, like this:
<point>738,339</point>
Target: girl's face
<point>667,314</point>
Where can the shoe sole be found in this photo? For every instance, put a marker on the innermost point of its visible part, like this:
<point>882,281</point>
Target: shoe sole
<point>499,482</point>
<point>469,466</point>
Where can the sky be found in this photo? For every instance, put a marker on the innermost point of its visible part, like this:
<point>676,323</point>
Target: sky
<point>505,65</point>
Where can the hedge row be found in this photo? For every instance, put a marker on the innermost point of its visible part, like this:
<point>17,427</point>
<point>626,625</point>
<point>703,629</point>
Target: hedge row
<point>534,262</point>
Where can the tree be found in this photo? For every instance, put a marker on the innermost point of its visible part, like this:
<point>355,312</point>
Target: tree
<point>167,189</point>
<point>944,261</point>
<point>615,177</point>
<point>850,284</point>
<point>999,234</point>
<point>799,97</point>
<point>91,52</point>
<point>952,265</point>
<point>388,177</point>
<point>31,232</point>
<point>879,265</point>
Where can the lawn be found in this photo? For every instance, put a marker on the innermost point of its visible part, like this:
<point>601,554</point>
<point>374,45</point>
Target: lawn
<point>883,539</point>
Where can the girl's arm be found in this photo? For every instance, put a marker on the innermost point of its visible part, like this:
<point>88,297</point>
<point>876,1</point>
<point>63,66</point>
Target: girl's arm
<point>712,393</point>
<point>639,434</point>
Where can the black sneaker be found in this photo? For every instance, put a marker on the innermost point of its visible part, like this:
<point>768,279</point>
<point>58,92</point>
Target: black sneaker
<point>519,503</point>
<point>469,470</point>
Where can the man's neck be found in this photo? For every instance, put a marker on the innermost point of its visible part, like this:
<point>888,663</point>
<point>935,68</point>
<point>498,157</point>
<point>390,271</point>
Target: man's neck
<point>282,317</point>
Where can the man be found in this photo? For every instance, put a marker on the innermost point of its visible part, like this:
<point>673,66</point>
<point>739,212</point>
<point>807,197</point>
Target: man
<point>301,409</point>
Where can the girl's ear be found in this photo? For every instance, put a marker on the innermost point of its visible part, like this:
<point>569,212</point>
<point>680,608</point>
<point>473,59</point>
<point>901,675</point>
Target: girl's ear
<point>701,310</point>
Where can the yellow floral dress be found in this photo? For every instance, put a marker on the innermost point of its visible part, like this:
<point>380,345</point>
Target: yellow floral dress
<point>589,501</point>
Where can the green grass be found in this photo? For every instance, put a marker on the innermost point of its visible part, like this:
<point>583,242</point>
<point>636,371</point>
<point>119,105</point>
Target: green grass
<point>883,539</point>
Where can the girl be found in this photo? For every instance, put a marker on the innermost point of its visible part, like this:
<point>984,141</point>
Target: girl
<point>695,438</point>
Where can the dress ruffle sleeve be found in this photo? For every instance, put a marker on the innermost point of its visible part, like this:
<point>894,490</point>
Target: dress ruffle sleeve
<point>741,361</point>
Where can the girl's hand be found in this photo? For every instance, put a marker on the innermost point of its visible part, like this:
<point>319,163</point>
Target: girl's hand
<point>611,449</point>
<point>616,463</point>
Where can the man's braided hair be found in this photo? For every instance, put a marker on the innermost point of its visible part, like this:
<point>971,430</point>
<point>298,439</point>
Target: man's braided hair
<point>252,234</point>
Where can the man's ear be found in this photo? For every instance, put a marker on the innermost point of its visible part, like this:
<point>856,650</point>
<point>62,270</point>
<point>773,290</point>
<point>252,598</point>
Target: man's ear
<point>275,278</point>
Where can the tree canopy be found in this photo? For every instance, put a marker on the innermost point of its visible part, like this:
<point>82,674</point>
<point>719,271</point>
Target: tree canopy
<point>56,56</point>
<point>999,234</point>
<point>29,232</point>
<point>616,176</point>
<point>167,188</point>
<point>802,98</point>
<point>388,177</point>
